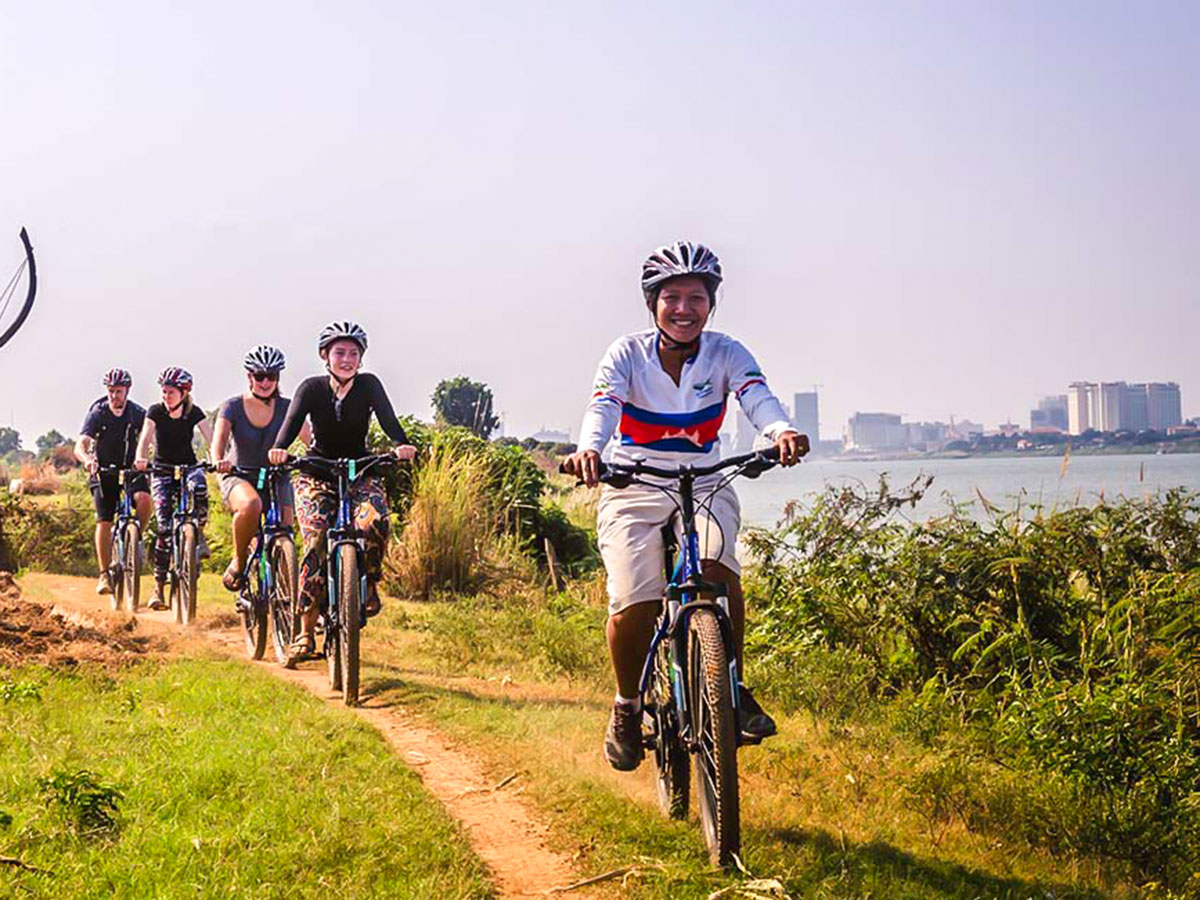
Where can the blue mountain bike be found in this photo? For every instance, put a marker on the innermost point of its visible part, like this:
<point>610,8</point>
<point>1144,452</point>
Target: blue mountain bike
<point>345,608</point>
<point>184,573</point>
<point>270,574</point>
<point>124,568</point>
<point>690,682</point>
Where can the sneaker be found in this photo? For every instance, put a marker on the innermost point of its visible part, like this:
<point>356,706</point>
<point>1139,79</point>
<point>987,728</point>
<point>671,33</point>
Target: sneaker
<point>202,546</point>
<point>373,604</point>
<point>157,602</point>
<point>756,724</point>
<point>623,740</point>
<point>104,584</point>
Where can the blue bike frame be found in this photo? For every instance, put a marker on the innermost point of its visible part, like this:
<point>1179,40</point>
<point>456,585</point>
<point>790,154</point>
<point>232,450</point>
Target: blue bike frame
<point>682,599</point>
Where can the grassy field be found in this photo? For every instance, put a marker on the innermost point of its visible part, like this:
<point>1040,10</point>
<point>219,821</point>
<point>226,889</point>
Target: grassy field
<point>826,809</point>
<point>230,784</point>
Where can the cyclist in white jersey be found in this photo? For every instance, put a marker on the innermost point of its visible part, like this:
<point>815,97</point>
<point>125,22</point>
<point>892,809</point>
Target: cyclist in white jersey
<point>663,393</point>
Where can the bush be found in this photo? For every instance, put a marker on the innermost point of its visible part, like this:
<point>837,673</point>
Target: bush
<point>1066,640</point>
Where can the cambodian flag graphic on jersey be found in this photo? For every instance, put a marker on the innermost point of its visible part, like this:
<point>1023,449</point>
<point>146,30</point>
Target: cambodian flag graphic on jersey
<point>685,432</point>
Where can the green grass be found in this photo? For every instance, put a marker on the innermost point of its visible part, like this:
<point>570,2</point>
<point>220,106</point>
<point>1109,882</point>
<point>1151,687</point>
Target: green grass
<point>232,784</point>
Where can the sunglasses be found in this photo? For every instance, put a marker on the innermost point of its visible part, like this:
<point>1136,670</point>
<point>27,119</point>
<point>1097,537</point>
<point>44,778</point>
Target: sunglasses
<point>265,376</point>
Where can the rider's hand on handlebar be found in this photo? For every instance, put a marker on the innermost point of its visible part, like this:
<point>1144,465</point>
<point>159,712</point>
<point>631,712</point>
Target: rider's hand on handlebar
<point>223,466</point>
<point>141,464</point>
<point>584,465</point>
<point>277,457</point>
<point>792,445</point>
<point>405,452</point>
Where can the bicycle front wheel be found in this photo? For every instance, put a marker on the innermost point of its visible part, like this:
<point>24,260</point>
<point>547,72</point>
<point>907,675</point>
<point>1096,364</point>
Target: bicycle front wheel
<point>189,575</point>
<point>714,724</point>
<point>285,618</point>
<point>252,607</point>
<point>131,565</point>
<point>670,756</point>
<point>349,609</point>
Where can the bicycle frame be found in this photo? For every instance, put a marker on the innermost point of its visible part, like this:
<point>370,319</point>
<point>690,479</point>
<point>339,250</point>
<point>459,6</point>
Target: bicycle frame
<point>184,511</point>
<point>270,523</point>
<point>682,598</point>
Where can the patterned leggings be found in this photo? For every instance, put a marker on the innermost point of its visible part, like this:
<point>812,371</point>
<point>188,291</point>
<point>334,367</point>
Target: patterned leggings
<point>316,511</point>
<point>165,491</point>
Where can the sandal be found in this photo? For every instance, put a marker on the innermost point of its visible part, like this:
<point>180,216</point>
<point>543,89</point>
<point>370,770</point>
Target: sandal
<point>233,579</point>
<point>302,648</point>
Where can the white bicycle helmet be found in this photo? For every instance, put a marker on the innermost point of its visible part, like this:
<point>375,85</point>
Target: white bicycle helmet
<point>680,258</point>
<point>337,331</point>
<point>264,358</point>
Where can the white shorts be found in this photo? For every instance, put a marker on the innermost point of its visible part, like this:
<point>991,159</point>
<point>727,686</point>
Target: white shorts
<point>629,526</point>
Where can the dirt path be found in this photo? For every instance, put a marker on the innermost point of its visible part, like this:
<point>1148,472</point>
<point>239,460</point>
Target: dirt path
<point>501,828</point>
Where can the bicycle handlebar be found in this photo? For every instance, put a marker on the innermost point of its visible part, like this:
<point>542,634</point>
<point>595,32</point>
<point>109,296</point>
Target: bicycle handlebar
<point>361,464</point>
<point>157,468</point>
<point>623,474</point>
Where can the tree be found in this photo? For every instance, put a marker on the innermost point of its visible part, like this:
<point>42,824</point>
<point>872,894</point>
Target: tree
<point>49,441</point>
<point>461,401</point>
<point>10,441</point>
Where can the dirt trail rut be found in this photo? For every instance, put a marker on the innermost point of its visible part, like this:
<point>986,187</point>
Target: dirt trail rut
<point>501,828</point>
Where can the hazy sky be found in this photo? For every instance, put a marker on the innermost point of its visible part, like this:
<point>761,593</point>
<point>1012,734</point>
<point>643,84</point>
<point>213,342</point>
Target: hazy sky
<point>927,208</point>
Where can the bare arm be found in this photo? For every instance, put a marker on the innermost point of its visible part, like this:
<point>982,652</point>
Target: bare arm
<point>85,449</point>
<point>220,443</point>
<point>206,430</point>
<point>145,439</point>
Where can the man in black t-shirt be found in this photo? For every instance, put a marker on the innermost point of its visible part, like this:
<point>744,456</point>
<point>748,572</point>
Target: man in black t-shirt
<point>109,438</point>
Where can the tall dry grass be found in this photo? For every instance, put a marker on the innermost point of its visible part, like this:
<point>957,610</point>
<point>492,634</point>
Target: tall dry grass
<point>450,537</point>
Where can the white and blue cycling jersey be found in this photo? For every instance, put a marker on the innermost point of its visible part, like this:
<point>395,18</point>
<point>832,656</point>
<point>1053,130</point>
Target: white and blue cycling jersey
<point>670,424</point>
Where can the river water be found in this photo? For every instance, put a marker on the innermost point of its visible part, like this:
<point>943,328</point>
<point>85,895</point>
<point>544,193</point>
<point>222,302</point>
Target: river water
<point>1000,479</point>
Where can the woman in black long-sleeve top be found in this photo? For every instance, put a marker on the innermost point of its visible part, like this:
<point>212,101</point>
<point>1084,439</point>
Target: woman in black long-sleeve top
<point>339,406</point>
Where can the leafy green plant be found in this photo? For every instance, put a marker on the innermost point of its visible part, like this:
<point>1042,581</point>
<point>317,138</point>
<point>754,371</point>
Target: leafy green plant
<point>88,804</point>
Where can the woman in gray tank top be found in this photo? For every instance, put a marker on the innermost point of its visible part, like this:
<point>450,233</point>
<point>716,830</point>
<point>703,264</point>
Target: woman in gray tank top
<point>246,428</point>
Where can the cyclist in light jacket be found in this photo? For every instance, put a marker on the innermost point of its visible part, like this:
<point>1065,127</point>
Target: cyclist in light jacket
<point>663,393</point>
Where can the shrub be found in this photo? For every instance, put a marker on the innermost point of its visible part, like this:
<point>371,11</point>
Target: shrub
<point>88,804</point>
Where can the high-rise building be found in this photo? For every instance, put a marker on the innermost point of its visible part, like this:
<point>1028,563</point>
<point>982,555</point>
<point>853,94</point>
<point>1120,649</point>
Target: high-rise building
<point>1134,411</point>
<point>876,431</point>
<point>1111,405</point>
<point>1051,414</point>
<point>805,418</point>
<point>1118,406</point>
<point>1081,407</point>
<point>1164,406</point>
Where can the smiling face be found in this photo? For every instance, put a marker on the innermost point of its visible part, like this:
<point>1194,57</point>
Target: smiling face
<point>682,308</point>
<point>344,358</point>
<point>263,384</point>
<point>117,395</point>
<point>172,396</point>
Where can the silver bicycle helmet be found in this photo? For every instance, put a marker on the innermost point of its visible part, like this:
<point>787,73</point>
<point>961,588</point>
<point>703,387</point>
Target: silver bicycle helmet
<point>264,358</point>
<point>337,331</point>
<point>680,258</point>
<point>117,378</point>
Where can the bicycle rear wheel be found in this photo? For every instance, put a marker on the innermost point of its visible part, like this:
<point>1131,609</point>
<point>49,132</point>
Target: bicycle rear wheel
<point>349,608</point>
<point>285,618</point>
<point>189,575</point>
<point>714,724</point>
<point>670,756</point>
<point>131,566</point>
<point>252,606</point>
